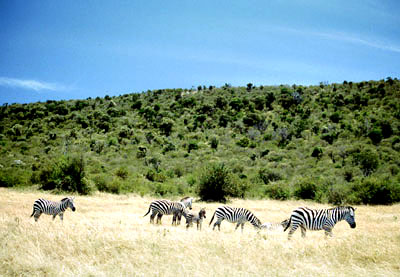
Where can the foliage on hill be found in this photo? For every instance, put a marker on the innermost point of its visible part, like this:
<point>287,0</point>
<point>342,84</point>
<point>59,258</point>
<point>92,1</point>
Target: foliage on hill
<point>330,143</point>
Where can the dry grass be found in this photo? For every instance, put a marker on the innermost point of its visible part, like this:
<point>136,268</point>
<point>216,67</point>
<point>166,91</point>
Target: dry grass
<point>108,236</point>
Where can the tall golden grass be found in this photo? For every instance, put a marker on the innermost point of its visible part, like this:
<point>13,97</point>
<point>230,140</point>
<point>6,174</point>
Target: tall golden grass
<point>108,236</point>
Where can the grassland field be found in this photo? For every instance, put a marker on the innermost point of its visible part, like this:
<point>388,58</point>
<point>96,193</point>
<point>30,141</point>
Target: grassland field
<point>108,236</point>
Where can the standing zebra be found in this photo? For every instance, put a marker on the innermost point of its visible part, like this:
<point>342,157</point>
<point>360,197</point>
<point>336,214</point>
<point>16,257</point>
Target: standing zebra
<point>52,208</point>
<point>190,218</point>
<point>166,207</point>
<point>235,215</point>
<point>324,219</point>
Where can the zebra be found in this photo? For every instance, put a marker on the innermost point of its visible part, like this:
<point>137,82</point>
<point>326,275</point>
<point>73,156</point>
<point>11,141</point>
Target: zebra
<point>166,207</point>
<point>190,218</point>
<point>324,219</point>
<point>275,226</point>
<point>52,208</point>
<point>235,215</point>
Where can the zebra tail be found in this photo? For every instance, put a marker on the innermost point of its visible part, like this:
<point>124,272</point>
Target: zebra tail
<point>147,212</point>
<point>287,226</point>
<point>212,218</point>
<point>32,213</point>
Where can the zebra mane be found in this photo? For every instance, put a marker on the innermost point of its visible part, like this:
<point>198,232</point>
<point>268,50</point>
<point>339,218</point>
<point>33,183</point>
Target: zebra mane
<point>185,198</point>
<point>64,199</point>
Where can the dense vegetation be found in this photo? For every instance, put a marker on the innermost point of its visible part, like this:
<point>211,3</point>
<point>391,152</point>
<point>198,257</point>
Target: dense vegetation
<point>331,143</point>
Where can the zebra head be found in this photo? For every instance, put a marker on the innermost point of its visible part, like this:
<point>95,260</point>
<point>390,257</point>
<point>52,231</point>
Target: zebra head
<point>256,222</point>
<point>187,202</point>
<point>350,216</point>
<point>70,202</point>
<point>202,213</point>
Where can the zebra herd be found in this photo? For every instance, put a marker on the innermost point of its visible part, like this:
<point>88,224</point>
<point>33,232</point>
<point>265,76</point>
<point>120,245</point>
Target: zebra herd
<point>303,217</point>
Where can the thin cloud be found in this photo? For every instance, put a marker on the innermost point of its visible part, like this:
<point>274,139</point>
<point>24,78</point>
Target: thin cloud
<point>30,84</point>
<point>346,37</point>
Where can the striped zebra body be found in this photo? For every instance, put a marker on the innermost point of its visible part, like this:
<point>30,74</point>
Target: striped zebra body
<point>166,207</point>
<point>235,215</point>
<point>324,219</point>
<point>52,208</point>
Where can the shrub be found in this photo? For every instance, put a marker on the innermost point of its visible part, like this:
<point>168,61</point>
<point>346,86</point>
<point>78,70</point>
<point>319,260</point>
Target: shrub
<point>367,160</point>
<point>375,135</point>
<point>66,174</point>
<point>305,189</point>
<point>277,191</point>
<point>317,152</point>
<point>217,184</point>
<point>192,146</point>
<point>122,173</point>
<point>214,143</point>
<point>376,191</point>
<point>243,142</point>
<point>154,176</point>
<point>12,177</point>
<point>267,175</point>
<point>107,184</point>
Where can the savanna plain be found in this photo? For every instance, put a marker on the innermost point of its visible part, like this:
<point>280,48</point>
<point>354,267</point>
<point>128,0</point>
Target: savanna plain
<point>107,235</point>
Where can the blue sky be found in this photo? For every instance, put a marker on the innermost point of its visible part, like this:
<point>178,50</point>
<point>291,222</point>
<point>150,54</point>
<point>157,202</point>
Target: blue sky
<point>53,50</point>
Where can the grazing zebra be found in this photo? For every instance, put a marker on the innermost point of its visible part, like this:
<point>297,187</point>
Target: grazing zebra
<point>324,219</point>
<point>166,207</point>
<point>235,215</point>
<point>52,208</point>
<point>275,226</point>
<point>190,218</point>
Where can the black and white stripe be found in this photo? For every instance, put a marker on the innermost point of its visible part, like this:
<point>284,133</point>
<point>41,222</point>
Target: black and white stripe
<point>235,215</point>
<point>166,207</point>
<point>52,208</point>
<point>324,219</point>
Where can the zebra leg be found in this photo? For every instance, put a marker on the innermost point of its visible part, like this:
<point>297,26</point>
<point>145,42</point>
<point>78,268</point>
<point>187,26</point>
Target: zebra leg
<point>237,225</point>
<point>179,219</point>
<point>242,227</point>
<point>152,216</point>
<point>303,231</point>
<point>159,216</point>
<point>54,216</point>
<point>328,231</point>
<point>292,230</point>
<point>61,216</point>
<point>37,215</point>
<point>218,222</point>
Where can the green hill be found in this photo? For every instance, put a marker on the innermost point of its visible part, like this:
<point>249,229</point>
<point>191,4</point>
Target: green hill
<point>332,143</point>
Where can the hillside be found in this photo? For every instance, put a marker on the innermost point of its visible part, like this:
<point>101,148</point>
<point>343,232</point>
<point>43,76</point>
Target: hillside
<point>332,143</point>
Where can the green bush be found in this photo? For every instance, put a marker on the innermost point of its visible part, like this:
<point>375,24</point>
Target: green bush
<point>243,142</point>
<point>14,177</point>
<point>277,191</point>
<point>122,173</point>
<point>105,183</point>
<point>66,174</point>
<point>367,160</point>
<point>376,135</point>
<point>268,175</point>
<point>217,183</point>
<point>305,189</point>
<point>373,190</point>
<point>317,152</point>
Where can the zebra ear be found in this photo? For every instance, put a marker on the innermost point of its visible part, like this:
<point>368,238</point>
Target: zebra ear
<point>73,198</point>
